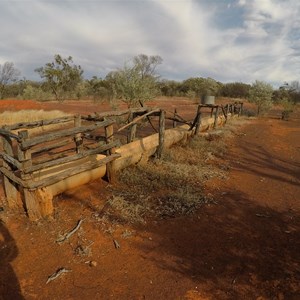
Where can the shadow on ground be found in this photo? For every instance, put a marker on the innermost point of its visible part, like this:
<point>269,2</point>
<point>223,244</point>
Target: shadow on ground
<point>233,250</point>
<point>9,284</point>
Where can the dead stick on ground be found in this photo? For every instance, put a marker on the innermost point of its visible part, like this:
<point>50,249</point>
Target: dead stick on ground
<point>68,235</point>
<point>117,245</point>
<point>263,216</point>
<point>57,274</point>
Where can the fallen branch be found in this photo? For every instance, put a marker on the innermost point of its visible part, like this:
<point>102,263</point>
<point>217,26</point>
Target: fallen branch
<point>263,216</point>
<point>69,234</point>
<point>57,274</point>
<point>117,245</point>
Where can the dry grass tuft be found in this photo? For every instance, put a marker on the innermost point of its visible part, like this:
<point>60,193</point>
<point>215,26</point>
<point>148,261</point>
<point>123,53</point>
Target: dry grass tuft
<point>13,117</point>
<point>173,185</point>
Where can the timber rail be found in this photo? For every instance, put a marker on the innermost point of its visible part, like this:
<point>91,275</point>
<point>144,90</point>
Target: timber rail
<point>67,149</point>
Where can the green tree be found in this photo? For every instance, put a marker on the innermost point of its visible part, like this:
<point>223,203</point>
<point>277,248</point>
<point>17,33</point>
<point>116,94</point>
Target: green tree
<point>261,93</point>
<point>201,86</point>
<point>235,90</point>
<point>60,76</point>
<point>8,74</point>
<point>136,83</point>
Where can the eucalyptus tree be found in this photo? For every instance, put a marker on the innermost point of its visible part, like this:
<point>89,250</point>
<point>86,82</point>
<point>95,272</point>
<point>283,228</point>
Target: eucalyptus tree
<point>261,93</point>
<point>8,75</point>
<point>60,76</point>
<point>136,82</point>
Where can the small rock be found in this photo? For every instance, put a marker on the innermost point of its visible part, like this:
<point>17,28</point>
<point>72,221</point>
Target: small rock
<point>93,263</point>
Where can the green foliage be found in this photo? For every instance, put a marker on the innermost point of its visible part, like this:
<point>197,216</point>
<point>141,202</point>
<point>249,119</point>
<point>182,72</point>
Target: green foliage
<point>201,86</point>
<point>8,75</point>
<point>261,94</point>
<point>170,88</point>
<point>235,90</point>
<point>98,89</point>
<point>36,93</point>
<point>60,76</point>
<point>135,84</point>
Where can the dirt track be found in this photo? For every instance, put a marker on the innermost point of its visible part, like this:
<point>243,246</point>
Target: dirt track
<point>244,247</point>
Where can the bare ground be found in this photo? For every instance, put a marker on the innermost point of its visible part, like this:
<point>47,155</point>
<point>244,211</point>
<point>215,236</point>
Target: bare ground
<point>245,245</point>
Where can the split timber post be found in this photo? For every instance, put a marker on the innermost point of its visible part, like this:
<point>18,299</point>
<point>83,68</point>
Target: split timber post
<point>224,113</point>
<point>216,117</point>
<point>10,187</point>
<point>198,120</point>
<point>78,136</point>
<point>132,131</point>
<point>161,134</point>
<point>109,135</point>
<point>174,121</point>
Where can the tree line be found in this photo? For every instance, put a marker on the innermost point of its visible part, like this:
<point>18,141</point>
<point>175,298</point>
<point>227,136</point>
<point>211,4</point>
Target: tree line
<point>134,83</point>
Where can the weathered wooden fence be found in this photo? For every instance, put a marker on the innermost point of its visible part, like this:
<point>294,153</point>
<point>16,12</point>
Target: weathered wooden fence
<point>76,144</point>
<point>30,163</point>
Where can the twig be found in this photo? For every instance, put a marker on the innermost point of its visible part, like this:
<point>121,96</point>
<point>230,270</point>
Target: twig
<point>57,274</point>
<point>117,245</point>
<point>69,234</point>
<point>263,216</point>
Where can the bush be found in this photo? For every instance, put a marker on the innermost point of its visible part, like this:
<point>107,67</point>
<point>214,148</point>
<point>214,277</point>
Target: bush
<point>36,93</point>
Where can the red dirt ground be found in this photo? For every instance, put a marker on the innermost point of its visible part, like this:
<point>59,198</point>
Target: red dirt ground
<point>244,247</point>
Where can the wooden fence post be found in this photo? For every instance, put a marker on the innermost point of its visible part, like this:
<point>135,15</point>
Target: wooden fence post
<point>216,117</point>
<point>241,108</point>
<point>78,136</point>
<point>110,172</point>
<point>161,134</point>
<point>174,122</point>
<point>10,187</point>
<point>198,120</point>
<point>132,131</point>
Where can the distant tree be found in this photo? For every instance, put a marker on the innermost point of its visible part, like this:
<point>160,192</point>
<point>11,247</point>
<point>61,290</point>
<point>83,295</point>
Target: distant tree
<point>293,90</point>
<point>201,86</point>
<point>98,89</point>
<point>60,76</point>
<point>235,90</point>
<point>136,83</point>
<point>169,88</point>
<point>146,65</point>
<point>261,93</point>
<point>8,74</point>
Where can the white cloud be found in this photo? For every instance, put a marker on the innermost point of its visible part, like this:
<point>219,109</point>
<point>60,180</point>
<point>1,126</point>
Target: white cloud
<point>262,41</point>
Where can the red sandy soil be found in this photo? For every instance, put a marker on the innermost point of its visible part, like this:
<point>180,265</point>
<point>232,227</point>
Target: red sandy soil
<point>246,246</point>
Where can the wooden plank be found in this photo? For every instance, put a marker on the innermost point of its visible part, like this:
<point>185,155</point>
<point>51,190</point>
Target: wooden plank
<point>9,174</point>
<point>63,160</point>
<point>62,133</point>
<point>8,134</point>
<point>40,123</point>
<point>70,172</point>
<point>10,160</point>
<point>51,146</point>
<point>98,116</point>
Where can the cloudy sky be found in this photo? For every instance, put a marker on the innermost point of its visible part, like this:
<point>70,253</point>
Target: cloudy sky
<point>228,40</point>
